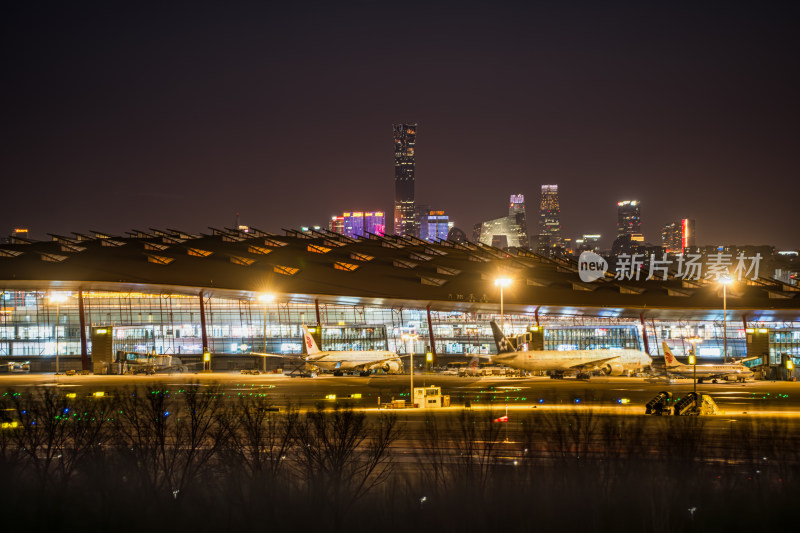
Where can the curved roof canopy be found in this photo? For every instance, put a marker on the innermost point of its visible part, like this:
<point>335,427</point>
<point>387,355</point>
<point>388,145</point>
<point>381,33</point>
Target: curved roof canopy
<point>378,270</point>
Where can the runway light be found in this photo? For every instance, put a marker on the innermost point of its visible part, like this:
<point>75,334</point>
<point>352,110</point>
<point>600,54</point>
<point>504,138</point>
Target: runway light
<point>624,400</point>
<point>71,395</point>
<point>98,394</point>
<point>355,396</point>
<point>330,397</point>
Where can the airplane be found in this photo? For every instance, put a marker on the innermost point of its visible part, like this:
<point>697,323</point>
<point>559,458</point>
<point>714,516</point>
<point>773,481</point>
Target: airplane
<point>144,363</point>
<point>338,361</point>
<point>474,369</point>
<point>471,369</point>
<point>729,372</point>
<point>612,362</point>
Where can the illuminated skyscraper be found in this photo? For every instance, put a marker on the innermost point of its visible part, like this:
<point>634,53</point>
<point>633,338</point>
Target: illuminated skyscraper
<point>518,221</point>
<point>434,225</point>
<point>336,224</point>
<point>405,138</point>
<point>677,236</point>
<point>629,220</point>
<point>549,220</point>
<point>358,223</point>
<point>508,231</point>
<point>375,222</point>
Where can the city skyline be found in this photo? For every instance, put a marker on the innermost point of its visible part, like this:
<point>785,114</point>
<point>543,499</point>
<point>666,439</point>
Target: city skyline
<point>171,118</point>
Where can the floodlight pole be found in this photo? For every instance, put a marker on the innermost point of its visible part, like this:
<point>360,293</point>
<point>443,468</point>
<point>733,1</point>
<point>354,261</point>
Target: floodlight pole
<point>502,282</point>
<point>502,315</point>
<point>55,330</point>
<point>265,338</point>
<point>725,322</point>
<point>411,363</point>
<point>694,365</point>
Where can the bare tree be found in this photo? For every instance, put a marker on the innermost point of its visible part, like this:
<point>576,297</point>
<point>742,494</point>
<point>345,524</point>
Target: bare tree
<point>341,457</point>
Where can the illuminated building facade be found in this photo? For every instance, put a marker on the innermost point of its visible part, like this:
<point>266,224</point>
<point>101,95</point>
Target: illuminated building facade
<point>359,223</point>
<point>405,139</point>
<point>434,226</point>
<point>589,242</point>
<point>677,236</point>
<point>549,220</point>
<point>336,224</point>
<point>172,292</point>
<point>629,219</point>
<point>508,231</point>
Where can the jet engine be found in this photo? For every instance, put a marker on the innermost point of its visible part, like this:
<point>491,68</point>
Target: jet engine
<point>613,369</point>
<point>391,367</point>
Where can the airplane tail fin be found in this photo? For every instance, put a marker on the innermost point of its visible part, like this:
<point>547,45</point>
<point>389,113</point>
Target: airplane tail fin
<point>311,344</point>
<point>668,357</point>
<point>500,340</point>
<point>474,364</point>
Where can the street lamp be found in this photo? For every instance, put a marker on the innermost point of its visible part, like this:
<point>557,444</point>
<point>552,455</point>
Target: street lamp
<point>265,298</point>
<point>411,337</point>
<point>694,340</point>
<point>502,283</point>
<point>58,299</point>
<point>725,281</point>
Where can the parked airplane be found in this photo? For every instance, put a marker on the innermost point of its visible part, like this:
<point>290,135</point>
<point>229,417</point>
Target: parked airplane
<point>338,361</point>
<point>613,362</point>
<point>474,369</point>
<point>730,372</point>
<point>144,363</point>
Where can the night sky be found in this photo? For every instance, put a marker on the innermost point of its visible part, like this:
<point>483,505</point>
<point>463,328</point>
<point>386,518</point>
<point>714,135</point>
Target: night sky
<point>121,115</point>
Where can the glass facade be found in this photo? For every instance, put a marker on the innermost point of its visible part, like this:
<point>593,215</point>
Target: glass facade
<point>629,218</point>
<point>405,140</point>
<point>784,341</point>
<point>549,218</point>
<point>33,324</point>
<point>592,338</point>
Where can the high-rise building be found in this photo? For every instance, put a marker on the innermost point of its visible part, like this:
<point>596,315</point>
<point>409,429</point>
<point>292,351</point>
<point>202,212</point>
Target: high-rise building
<point>508,231</point>
<point>677,236</point>
<point>589,242</point>
<point>629,220</point>
<point>518,221</point>
<point>375,222</point>
<point>358,223</point>
<point>549,220</point>
<point>405,139</point>
<point>434,225</point>
<point>336,224</point>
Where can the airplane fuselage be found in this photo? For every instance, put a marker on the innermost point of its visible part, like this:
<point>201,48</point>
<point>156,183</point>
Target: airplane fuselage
<point>711,371</point>
<point>543,360</point>
<point>349,360</point>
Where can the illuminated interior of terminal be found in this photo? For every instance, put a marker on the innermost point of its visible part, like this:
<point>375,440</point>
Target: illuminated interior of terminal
<point>33,324</point>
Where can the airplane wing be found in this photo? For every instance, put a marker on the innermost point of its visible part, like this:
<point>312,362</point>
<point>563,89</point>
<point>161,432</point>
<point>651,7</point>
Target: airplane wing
<point>593,364</point>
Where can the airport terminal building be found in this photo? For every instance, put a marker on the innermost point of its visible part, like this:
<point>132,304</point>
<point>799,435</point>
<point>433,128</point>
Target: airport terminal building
<point>237,293</point>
